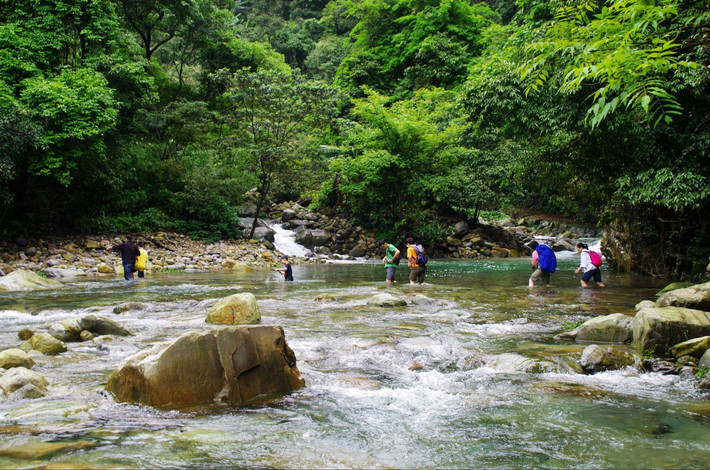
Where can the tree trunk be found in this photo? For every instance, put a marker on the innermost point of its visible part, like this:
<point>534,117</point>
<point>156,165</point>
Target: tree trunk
<point>259,205</point>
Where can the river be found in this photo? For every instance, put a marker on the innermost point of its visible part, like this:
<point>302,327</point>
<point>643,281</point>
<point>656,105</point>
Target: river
<point>430,385</point>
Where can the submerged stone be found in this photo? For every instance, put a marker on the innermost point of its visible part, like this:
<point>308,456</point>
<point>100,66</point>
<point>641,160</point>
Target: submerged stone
<point>386,300</point>
<point>37,449</point>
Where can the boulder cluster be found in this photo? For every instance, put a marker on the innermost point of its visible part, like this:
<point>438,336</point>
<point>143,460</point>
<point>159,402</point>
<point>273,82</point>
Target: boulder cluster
<point>670,335</point>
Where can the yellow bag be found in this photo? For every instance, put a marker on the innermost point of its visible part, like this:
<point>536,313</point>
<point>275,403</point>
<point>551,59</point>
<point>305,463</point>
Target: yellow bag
<point>141,260</point>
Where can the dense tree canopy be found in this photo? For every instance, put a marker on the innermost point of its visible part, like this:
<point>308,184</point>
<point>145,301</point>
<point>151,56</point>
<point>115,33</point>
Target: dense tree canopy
<point>398,114</point>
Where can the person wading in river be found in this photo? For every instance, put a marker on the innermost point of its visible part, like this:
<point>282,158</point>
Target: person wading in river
<point>544,262</point>
<point>391,260</point>
<point>590,269</point>
<point>129,253</point>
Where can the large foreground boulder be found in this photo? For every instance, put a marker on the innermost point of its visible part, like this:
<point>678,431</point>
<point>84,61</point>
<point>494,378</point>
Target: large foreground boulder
<point>697,297</point>
<point>237,309</point>
<point>233,364</point>
<point>657,329</point>
<point>614,328</point>
<point>22,280</point>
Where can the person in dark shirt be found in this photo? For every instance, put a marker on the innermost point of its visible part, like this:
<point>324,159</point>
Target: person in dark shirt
<point>129,253</point>
<point>287,272</point>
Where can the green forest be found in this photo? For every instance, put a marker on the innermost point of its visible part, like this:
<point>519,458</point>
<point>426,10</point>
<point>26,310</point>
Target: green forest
<point>140,115</point>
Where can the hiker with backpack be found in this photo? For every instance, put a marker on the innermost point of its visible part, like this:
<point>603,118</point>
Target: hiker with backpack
<point>543,263</point>
<point>590,262</point>
<point>417,261</point>
<point>391,259</point>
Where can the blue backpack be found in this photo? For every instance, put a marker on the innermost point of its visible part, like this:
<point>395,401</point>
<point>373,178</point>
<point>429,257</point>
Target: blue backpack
<point>547,259</point>
<point>421,255</point>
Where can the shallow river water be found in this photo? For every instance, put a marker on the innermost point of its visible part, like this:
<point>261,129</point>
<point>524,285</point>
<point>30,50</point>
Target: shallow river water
<point>435,384</point>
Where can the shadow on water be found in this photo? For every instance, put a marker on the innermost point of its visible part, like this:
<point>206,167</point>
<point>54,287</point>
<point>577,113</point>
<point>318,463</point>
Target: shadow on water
<point>469,374</point>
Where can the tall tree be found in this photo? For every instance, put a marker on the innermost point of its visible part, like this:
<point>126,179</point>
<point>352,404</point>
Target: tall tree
<point>275,110</point>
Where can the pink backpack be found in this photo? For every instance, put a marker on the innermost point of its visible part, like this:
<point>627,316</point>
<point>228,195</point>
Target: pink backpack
<point>595,258</point>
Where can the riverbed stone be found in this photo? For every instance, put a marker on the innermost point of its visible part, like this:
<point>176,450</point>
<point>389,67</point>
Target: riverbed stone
<point>704,361</point>
<point>19,377</point>
<point>657,329</point>
<point>128,306</point>
<point>34,450</point>
<point>25,333</point>
<point>386,300</point>
<point>232,364</point>
<point>66,330</point>
<point>14,357</point>
<point>325,298</point>
<point>23,280</point>
<point>104,268</point>
<point>44,343</point>
<point>101,325</point>
<point>60,273</point>
<point>596,358</point>
<point>694,347</point>
<point>237,309</point>
<point>696,297</point>
<point>645,304</point>
<point>614,328</point>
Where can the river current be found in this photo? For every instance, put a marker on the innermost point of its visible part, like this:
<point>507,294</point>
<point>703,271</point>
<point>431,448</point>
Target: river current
<point>469,375</point>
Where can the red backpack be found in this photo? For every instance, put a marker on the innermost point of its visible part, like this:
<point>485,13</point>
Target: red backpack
<point>595,258</point>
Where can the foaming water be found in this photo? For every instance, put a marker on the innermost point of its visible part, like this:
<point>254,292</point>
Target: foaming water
<point>468,374</point>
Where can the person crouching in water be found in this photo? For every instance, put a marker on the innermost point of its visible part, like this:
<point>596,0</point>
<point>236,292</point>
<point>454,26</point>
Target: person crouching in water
<point>391,259</point>
<point>585,263</point>
<point>288,271</point>
<point>543,263</point>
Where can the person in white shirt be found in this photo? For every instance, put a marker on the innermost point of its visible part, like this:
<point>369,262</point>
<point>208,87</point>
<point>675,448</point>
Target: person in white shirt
<point>590,270</point>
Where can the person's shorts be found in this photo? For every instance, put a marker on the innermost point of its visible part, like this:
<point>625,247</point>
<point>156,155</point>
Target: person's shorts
<point>390,273</point>
<point>417,274</point>
<point>596,273</point>
<point>541,275</point>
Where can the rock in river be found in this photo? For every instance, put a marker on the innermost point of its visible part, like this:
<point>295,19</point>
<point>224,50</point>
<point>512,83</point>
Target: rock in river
<point>237,309</point>
<point>22,280</point>
<point>657,329</point>
<point>232,364</point>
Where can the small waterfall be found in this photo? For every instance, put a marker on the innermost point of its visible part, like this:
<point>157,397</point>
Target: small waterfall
<point>285,242</point>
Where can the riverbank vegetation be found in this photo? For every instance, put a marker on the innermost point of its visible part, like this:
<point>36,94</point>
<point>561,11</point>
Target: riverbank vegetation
<point>141,115</point>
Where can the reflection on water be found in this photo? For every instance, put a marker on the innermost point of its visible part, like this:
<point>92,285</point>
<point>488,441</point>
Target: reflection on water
<point>434,384</point>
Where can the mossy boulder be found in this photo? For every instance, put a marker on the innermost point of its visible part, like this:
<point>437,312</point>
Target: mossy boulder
<point>614,328</point>
<point>696,297</point>
<point>237,309</point>
<point>596,358</point>
<point>30,384</point>
<point>44,343</point>
<point>694,347</point>
<point>658,329</point>
<point>14,357</point>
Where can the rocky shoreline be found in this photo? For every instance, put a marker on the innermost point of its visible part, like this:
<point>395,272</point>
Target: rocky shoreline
<point>327,238</point>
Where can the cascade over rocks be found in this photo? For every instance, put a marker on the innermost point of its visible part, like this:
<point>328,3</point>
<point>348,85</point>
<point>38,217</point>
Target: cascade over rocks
<point>233,364</point>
